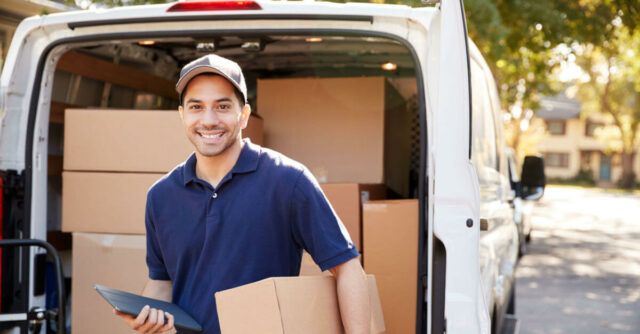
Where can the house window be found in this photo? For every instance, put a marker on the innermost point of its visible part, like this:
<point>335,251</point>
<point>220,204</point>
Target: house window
<point>590,128</point>
<point>556,128</point>
<point>554,159</point>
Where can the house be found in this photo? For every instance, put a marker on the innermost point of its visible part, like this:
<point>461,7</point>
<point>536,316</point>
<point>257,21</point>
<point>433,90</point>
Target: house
<point>571,148</point>
<point>14,11</point>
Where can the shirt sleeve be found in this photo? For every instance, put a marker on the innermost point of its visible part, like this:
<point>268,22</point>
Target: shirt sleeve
<point>316,227</point>
<point>155,262</point>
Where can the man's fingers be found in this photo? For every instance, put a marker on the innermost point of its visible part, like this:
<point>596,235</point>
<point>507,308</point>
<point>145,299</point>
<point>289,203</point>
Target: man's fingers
<point>159,322</point>
<point>141,318</point>
<point>151,321</point>
<point>169,325</point>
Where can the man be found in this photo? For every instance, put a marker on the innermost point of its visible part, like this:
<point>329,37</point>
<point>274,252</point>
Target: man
<point>235,213</point>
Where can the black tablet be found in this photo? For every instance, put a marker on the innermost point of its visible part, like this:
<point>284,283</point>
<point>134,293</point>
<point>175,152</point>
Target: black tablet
<point>132,304</point>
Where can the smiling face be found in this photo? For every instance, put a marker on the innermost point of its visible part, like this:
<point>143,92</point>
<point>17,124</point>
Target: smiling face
<point>212,115</point>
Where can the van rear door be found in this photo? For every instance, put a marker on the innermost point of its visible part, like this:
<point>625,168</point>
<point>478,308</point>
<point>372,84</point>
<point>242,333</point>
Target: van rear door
<point>22,169</point>
<point>455,285</point>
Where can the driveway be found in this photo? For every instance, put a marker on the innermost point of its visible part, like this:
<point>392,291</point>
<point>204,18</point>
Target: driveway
<point>582,270</point>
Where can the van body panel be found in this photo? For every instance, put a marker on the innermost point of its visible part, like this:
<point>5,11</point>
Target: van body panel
<point>498,246</point>
<point>13,90</point>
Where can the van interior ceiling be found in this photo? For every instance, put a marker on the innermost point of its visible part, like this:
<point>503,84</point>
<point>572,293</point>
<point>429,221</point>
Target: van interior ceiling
<point>312,93</point>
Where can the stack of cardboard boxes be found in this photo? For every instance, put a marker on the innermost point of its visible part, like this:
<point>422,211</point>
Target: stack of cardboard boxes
<point>111,158</point>
<point>341,129</point>
<point>354,135</point>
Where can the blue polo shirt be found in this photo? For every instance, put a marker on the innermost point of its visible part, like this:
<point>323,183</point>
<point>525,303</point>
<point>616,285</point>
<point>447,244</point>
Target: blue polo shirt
<point>254,225</point>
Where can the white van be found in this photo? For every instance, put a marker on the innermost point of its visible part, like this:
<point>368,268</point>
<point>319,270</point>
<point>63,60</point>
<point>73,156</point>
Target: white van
<point>451,147</point>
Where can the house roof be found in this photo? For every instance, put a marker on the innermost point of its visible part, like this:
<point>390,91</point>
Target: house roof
<point>14,11</point>
<point>559,107</point>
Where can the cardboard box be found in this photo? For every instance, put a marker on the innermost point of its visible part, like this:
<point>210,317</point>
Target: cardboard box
<point>391,239</point>
<point>105,202</point>
<point>335,126</point>
<point>309,268</point>
<point>346,200</point>
<point>286,305</point>
<point>117,261</point>
<point>130,140</point>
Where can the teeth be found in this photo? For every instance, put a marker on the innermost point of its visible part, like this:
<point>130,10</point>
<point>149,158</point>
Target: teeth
<point>211,136</point>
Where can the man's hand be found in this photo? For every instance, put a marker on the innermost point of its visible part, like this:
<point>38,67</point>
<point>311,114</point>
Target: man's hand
<point>149,321</point>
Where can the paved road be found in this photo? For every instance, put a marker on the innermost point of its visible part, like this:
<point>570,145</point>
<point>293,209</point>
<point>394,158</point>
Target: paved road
<point>582,270</point>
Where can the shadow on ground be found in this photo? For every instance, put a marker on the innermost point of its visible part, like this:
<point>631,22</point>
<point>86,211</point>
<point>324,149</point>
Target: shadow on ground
<point>582,270</point>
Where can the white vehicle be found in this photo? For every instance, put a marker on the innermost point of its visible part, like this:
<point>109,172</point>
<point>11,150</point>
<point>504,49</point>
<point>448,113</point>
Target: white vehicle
<point>468,241</point>
<point>522,205</point>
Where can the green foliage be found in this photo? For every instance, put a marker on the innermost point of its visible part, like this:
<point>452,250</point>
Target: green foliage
<point>526,41</point>
<point>519,39</point>
<point>612,88</point>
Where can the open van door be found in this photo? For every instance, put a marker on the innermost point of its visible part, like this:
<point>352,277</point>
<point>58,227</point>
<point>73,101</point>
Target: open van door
<point>457,304</point>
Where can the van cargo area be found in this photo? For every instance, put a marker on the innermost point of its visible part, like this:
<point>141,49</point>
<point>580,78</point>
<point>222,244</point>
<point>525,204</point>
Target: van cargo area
<point>346,106</point>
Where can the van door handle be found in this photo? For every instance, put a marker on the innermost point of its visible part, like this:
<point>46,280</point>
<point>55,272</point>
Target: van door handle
<point>484,224</point>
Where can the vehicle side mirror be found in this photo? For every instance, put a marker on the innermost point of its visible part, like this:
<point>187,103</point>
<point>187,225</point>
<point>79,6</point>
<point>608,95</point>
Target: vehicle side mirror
<point>533,179</point>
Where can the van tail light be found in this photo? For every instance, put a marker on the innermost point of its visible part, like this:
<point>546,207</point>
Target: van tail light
<point>213,6</point>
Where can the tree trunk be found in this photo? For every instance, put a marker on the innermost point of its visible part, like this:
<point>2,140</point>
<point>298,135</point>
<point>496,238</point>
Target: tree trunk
<point>628,179</point>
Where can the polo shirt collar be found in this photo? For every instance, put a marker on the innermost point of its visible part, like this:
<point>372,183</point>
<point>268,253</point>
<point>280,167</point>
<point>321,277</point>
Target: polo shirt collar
<point>247,162</point>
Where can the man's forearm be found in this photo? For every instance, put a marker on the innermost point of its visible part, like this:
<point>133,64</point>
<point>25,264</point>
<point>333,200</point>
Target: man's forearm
<point>353,297</point>
<point>161,290</point>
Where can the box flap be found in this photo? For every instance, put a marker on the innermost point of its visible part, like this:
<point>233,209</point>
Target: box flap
<point>257,301</point>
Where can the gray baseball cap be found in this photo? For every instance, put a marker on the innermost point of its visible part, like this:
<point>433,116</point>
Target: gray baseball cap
<point>212,63</point>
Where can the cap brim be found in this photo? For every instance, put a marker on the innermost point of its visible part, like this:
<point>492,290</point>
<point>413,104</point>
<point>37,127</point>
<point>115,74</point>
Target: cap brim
<point>184,80</point>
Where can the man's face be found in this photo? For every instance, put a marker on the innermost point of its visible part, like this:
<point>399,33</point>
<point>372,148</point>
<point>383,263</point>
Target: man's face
<point>212,115</point>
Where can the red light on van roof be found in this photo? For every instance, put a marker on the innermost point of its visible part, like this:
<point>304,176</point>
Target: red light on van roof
<point>213,5</point>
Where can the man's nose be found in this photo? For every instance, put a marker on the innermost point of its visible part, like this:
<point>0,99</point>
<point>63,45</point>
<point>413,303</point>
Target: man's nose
<point>210,117</point>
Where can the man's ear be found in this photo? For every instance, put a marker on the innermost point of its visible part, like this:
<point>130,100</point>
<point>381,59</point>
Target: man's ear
<point>244,115</point>
<point>180,111</point>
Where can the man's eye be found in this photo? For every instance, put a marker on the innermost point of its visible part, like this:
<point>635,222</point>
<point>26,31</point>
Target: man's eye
<point>195,107</point>
<point>224,107</point>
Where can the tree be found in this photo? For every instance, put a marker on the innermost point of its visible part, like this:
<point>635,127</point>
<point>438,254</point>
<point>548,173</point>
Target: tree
<point>525,43</point>
<point>612,88</point>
